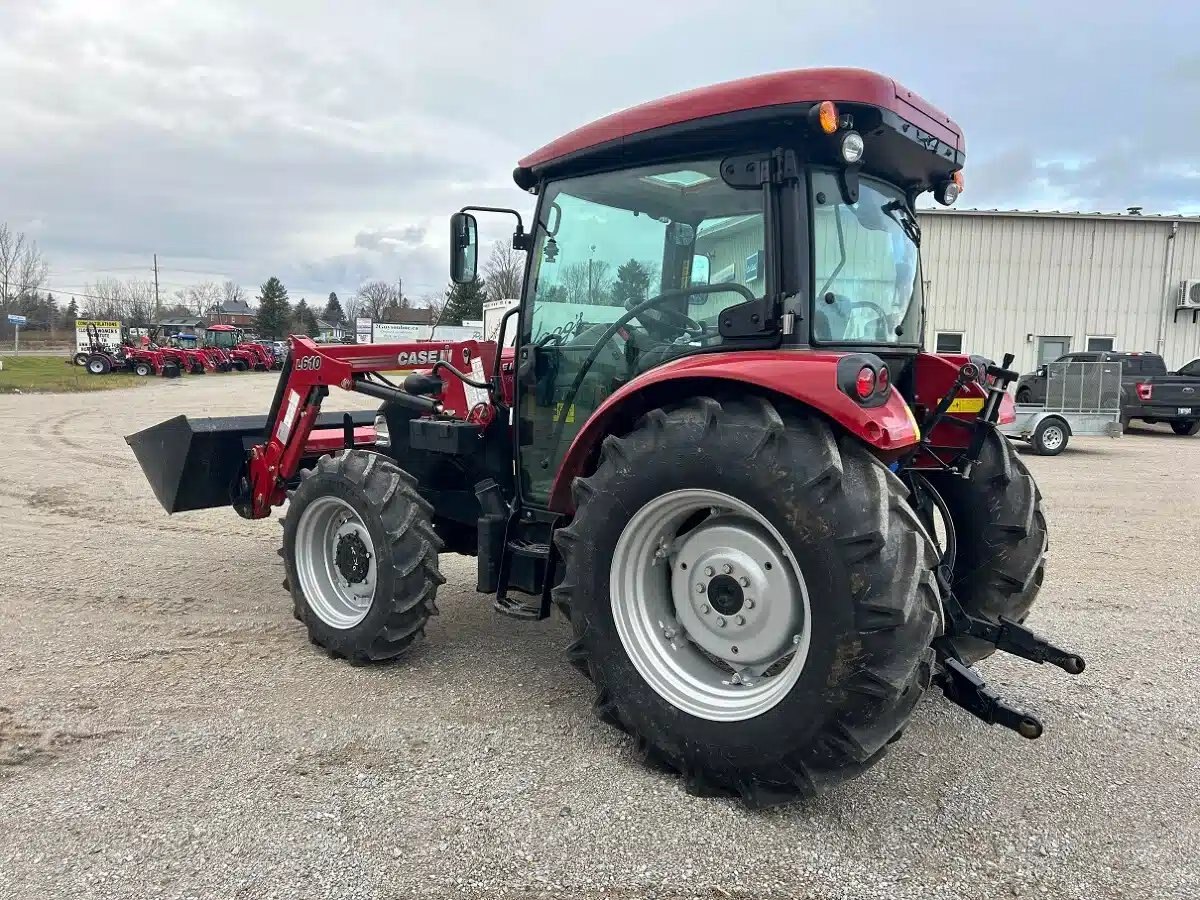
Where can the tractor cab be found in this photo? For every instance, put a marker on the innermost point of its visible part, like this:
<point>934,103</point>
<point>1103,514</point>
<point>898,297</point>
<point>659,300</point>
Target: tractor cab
<point>772,213</point>
<point>226,337</point>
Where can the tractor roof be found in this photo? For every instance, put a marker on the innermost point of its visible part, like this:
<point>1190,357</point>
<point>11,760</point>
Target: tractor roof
<point>779,93</point>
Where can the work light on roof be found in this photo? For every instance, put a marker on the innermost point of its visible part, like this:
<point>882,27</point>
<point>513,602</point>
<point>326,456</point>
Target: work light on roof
<point>852,147</point>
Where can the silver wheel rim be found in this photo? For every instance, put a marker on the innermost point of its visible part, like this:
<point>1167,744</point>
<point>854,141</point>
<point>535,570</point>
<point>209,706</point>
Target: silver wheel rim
<point>1052,437</point>
<point>96,367</point>
<point>339,595</point>
<point>711,650</point>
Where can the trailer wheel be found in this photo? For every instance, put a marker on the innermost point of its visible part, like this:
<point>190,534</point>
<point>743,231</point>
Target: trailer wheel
<point>98,364</point>
<point>361,556</point>
<point>1001,532</point>
<point>1184,428</point>
<point>1050,437</point>
<point>143,369</point>
<point>753,600</point>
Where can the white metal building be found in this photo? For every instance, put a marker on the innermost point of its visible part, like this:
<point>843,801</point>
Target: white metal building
<point>1040,284</point>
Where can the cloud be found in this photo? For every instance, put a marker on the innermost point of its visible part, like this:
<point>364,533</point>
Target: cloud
<point>289,137</point>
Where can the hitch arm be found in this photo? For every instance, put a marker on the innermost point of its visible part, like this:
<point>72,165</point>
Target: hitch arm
<point>963,686</point>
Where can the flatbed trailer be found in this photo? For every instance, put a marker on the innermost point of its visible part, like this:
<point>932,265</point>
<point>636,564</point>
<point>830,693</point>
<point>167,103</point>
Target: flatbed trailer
<point>1082,398</point>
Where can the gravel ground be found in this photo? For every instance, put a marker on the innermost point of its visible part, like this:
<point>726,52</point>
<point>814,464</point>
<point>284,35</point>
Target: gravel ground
<point>166,730</point>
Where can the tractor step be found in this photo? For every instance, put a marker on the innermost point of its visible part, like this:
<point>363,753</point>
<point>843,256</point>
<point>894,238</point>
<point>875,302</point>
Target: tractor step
<point>532,608</point>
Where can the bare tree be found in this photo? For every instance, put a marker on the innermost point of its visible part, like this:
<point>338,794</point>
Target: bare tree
<point>105,299</point>
<point>231,292</point>
<point>137,298</point>
<point>375,296</point>
<point>504,271</point>
<point>202,297</point>
<point>22,269</point>
<point>353,308</point>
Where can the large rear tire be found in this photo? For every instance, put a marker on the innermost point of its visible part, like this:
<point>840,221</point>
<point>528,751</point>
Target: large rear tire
<point>1001,538</point>
<point>853,616</point>
<point>361,556</point>
<point>99,364</point>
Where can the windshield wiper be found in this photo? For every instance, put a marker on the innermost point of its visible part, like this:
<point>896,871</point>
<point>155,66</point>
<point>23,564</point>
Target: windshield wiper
<point>904,217</point>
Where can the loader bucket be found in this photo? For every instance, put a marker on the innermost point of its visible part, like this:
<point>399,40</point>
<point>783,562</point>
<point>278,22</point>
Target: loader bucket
<point>193,463</point>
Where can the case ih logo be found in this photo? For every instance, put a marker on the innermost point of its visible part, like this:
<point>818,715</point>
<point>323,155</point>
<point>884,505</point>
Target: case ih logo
<point>422,357</point>
<point>309,363</point>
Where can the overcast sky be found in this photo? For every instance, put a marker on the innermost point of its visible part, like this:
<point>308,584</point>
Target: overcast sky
<point>327,143</point>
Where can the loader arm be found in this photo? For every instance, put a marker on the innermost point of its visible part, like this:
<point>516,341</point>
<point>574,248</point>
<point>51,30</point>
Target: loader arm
<point>304,382</point>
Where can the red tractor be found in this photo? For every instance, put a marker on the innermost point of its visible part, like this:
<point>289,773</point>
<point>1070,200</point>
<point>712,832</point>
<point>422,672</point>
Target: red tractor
<point>772,519</point>
<point>243,354</point>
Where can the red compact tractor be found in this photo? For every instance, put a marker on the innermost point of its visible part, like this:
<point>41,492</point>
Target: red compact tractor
<point>243,354</point>
<point>720,449</point>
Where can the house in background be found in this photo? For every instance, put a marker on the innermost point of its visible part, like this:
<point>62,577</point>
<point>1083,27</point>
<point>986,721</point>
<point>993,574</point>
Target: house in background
<point>331,333</point>
<point>233,312</point>
<point>181,325</point>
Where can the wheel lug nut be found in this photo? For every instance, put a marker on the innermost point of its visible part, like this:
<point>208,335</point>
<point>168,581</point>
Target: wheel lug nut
<point>749,603</point>
<point>669,633</point>
<point>699,589</point>
<point>727,568</point>
<point>704,609</point>
<point>720,622</point>
<point>708,570</point>
<point>745,582</point>
<point>795,639</point>
<point>741,620</point>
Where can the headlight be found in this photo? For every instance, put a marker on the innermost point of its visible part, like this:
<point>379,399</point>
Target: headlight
<point>852,147</point>
<point>383,437</point>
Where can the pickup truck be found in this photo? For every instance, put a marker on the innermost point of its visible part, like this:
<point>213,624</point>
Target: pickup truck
<point>1148,391</point>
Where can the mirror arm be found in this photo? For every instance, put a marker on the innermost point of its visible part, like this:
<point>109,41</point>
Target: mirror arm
<point>521,240</point>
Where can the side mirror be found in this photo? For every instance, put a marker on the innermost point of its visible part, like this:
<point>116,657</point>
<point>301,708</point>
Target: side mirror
<point>700,269</point>
<point>464,248</point>
<point>1041,372</point>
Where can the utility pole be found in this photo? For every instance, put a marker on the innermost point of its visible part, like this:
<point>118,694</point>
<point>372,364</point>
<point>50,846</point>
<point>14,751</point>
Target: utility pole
<point>157,308</point>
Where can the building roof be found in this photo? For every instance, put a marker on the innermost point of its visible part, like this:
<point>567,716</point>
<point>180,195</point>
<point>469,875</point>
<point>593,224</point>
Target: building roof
<point>235,308</point>
<point>797,86</point>
<point>1061,214</point>
<point>183,320</point>
<point>331,326</point>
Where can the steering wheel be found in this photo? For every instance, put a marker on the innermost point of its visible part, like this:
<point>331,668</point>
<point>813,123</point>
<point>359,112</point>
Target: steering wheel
<point>881,316</point>
<point>658,326</point>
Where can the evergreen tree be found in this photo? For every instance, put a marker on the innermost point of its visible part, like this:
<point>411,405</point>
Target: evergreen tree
<point>464,301</point>
<point>304,320</point>
<point>72,312</point>
<point>274,310</point>
<point>632,284</point>
<point>334,314</point>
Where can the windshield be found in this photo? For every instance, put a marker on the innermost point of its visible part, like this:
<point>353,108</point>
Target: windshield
<point>865,264</point>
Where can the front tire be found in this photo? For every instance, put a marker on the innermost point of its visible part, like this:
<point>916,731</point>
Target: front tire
<point>858,557</point>
<point>1024,395</point>
<point>1184,428</point>
<point>1001,532</point>
<point>361,556</point>
<point>143,369</point>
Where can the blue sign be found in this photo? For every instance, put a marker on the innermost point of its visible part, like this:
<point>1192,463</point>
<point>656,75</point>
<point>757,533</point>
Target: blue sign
<point>16,320</point>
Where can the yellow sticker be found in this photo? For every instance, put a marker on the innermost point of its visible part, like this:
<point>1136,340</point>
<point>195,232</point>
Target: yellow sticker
<point>570,420</point>
<point>965,405</point>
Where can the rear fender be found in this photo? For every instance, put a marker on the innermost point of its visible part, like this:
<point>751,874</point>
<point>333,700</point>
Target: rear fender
<point>806,376</point>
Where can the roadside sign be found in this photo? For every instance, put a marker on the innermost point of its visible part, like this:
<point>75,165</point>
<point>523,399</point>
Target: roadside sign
<point>17,322</point>
<point>362,330</point>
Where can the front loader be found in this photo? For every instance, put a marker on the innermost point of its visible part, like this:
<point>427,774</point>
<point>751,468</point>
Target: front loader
<point>718,446</point>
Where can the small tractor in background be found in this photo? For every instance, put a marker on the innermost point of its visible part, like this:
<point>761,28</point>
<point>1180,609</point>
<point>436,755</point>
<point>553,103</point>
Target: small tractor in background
<point>143,361</point>
<point>772,519</point>
<point>244,354</point>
